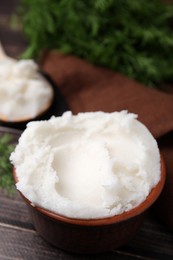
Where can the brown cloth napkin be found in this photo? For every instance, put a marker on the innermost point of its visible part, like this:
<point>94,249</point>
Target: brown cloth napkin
<point>89,88</point>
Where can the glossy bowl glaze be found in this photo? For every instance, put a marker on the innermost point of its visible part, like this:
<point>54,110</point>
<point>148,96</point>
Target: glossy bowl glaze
<point>92,235</point>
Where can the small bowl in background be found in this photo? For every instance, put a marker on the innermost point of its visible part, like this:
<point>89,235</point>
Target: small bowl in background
<point>44,113</point>
<point>92,235</point>
<point>22,122</point>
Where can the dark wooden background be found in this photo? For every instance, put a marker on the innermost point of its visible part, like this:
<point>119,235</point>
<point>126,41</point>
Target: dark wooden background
<point>18,239</point>
<point>11,38</point>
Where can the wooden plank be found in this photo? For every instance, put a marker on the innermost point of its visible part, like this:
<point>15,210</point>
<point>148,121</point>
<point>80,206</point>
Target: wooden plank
<point>15,133</point>
<point>153,240</point>
<point>17,235</point>
<point>8,7</point>
<point>12,41</point>
<point>17,243</point>
<point>24,244</point>
<point>14,212</point>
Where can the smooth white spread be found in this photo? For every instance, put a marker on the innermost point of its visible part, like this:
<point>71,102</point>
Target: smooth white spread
<point>90,165</point>
<point>24,93</point>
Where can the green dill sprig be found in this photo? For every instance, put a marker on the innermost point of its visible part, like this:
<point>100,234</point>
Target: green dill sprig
<point>6,178</point>
<point>129,36</point>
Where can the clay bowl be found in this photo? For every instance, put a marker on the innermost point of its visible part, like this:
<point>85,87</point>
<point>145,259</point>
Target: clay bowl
<point>21,123</point>
<point>93,235</point>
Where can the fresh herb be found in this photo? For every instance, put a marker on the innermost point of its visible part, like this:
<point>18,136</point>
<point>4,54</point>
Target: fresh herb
<point>6,178</point>
<point>129,36</point>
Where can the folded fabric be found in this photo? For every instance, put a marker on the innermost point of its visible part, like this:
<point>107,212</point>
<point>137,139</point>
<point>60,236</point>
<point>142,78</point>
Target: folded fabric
<point>89,88</point>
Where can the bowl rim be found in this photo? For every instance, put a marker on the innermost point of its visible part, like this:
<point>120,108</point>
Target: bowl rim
<point>141,208</point>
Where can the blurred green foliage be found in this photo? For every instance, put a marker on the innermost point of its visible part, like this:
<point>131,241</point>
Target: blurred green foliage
<point>6,178</point>
<point>129,36</point>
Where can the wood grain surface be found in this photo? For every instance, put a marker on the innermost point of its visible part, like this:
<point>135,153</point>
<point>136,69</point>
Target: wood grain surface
<point>18,239</point>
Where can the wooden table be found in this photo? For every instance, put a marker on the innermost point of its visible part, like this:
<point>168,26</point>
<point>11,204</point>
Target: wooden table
<point>19,240</point>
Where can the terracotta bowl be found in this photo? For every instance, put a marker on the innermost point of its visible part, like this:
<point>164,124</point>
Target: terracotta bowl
<point>93,235</point>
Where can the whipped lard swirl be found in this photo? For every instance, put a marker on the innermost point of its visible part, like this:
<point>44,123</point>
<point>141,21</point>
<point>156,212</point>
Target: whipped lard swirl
<point>24,93</point>
<point>90,165</point>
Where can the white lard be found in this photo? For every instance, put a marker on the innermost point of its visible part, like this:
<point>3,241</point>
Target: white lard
<point>24,93</point>
<point>90,165</point>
